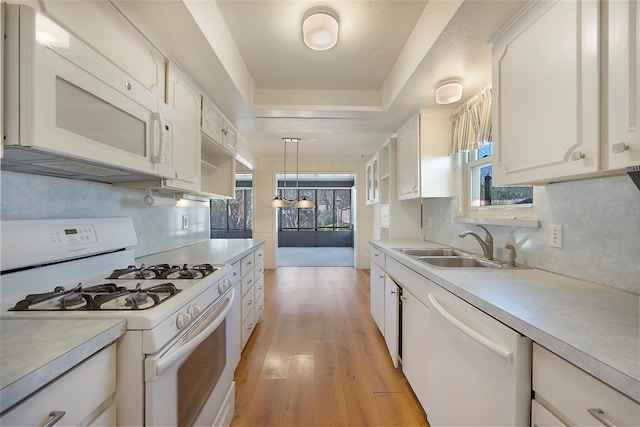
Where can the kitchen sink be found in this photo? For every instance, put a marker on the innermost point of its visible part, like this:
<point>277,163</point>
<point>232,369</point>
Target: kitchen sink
<point>453,258</point>
<point>432,252</point>
<point>459,262</point>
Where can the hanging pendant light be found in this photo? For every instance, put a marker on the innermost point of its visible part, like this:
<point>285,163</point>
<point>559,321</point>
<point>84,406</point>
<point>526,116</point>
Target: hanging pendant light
<point>302,202</point>
<point>278,202</point>
<point>281,202</point>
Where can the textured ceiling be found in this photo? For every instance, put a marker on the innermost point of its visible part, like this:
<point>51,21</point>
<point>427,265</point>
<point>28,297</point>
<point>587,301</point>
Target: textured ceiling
<point>249,58</point>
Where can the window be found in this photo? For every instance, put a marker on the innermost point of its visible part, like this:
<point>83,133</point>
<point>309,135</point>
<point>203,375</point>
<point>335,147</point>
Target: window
<point>332,211</point>
<point>233,218</point>
<point>485,200</point>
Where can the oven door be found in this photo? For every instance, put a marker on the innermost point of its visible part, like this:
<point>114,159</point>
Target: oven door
<point>186,383</point>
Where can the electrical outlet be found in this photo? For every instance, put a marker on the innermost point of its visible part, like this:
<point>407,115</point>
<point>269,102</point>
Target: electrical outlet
<point>555,236</point>
<point>185,222</point>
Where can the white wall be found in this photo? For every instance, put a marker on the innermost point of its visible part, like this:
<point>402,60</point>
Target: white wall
<point>601,231</point>
<point>264,188</point>
<point>158,228</point>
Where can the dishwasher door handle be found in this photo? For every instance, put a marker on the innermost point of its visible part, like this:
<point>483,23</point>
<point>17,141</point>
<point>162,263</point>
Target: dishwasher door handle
<point>479,338</point>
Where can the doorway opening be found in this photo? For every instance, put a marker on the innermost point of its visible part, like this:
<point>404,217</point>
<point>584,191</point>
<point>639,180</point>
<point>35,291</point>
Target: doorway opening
<point>321,236</point>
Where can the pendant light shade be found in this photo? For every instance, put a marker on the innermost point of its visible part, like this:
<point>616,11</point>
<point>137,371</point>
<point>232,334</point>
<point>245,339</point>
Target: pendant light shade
<point>303,203</point>
<point>277,202</point>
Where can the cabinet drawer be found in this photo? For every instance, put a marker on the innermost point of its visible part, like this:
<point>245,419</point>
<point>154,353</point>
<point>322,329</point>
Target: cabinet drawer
<point>248,301</point>
<point>248,326</point>
<point>572,392</point>
<point>259,270</point>
<point>78,393</point>
<point>378,257</point>
<point>247,283</point>
<point>257,313</point>
<point>259,254</point>
<point>259,288</point>
<point>235,273</point>
<point>247,264</point>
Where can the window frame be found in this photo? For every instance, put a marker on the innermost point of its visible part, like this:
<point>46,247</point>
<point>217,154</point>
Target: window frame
<point>468,212</point>
<point>305,191</point>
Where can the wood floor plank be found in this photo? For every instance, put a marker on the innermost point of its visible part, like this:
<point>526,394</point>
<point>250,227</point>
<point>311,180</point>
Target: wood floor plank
<point>318,358</point>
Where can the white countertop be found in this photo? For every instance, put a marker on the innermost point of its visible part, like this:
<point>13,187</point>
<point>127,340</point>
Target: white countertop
<point>35,352</point>
<point>213,251</point>
<point>595,327</point>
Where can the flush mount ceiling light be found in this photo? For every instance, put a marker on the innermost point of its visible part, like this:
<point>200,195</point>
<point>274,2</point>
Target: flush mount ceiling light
<point>449,91</point>
<point>320,28</point>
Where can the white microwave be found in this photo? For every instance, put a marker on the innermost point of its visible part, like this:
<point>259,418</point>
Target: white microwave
<point>70,112</point>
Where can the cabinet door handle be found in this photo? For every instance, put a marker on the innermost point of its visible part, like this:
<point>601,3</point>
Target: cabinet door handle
<point>479,338</point>
<point>620,147</point>
<point>577,155</point>
<point>598,414</point>
<point>54,417</point>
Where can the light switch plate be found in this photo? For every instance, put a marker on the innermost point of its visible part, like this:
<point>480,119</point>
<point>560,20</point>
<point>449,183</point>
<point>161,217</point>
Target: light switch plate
<point>555,236</point>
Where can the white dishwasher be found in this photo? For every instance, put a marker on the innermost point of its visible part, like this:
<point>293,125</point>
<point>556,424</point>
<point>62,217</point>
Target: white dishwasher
<point>478,369</point>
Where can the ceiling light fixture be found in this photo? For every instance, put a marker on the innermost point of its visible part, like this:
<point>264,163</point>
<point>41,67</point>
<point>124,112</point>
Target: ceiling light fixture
<point>281,202</point>
<point>320,28</point>
<point>449,91</point>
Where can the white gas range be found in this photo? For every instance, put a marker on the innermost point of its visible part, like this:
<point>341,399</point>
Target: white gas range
<point>176,315</point>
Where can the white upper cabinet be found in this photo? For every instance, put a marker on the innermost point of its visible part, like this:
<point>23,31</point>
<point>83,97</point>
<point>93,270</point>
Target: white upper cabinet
<point>409,160</point>
<point>216,127</point>
<point>105,29</point>
<point>423,162</point>
<point>545,82</point>
<point>622,137</point>
<point>373,180</point>
<point>212,121</point>
<point>184,97</point>
<point>566,95</point>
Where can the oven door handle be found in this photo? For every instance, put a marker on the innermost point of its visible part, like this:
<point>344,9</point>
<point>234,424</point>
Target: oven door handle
<point>155,365</point>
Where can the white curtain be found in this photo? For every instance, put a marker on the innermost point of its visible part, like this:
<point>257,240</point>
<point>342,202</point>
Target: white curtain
<point>471,125</point>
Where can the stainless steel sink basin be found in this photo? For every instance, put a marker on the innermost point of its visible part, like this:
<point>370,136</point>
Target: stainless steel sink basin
<point>432,252</point>
<point>453,258</point>
<point>459,262</point>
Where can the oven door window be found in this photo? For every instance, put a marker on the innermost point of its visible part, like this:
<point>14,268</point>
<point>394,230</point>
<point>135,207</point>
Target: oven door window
<point>198,375</point>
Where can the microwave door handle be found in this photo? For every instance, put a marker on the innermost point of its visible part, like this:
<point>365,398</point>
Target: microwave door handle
<point>155,365</point>
<point>158,139</point>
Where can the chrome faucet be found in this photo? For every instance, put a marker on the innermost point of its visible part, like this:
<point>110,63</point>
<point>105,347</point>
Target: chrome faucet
<point>487,243</point>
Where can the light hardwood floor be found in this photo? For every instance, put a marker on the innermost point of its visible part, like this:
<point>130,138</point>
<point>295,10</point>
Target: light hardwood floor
<point>318,358</point>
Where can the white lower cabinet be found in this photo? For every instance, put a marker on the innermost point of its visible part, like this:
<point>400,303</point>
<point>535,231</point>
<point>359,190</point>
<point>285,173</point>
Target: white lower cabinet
<point>377,295</point>
<point>252,287</point>
<point>391,318</point>
<point>570,396</point>
<point>415,319</point>
<point>234,322</point>
<point>83,396</point>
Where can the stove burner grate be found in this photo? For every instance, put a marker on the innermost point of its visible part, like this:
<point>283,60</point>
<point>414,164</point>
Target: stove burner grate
<point>97,298</point>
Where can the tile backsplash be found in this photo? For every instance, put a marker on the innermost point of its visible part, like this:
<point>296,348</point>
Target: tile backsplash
<point>158,227</point>
<point>601,231</point>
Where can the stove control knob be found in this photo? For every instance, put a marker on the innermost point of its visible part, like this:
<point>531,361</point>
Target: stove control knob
<point>193,310</point>
<point>182,320</point>
<point>223,286</point>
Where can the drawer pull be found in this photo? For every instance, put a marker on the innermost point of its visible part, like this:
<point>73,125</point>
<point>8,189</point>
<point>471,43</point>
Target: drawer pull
<point>598,414</point>
<point>54,417</point>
